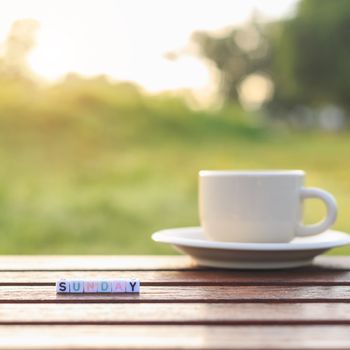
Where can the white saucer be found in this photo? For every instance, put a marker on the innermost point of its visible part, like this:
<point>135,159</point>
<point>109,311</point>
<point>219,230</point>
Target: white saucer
<point>299,252</point>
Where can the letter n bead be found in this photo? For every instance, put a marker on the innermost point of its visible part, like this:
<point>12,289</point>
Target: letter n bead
<point>62,286</point>
<point>90,286</point>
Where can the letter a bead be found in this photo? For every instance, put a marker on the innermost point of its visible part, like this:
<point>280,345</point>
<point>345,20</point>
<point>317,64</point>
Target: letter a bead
<point>119,285</point>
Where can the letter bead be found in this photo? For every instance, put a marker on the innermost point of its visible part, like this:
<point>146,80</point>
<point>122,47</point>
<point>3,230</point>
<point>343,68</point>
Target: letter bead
<point>133,286</point>
<point>76,286</point>
<point>104,287</point>
<point>90,286</point>
<point>62,286</point>
<point>119,285</point>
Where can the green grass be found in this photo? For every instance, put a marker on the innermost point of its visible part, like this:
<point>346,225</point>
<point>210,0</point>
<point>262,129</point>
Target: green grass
<point>90,168</point>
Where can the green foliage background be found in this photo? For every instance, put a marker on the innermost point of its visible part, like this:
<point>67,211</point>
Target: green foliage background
<point>93,167</point>
<point>306,56</point>
<point>90,166</point>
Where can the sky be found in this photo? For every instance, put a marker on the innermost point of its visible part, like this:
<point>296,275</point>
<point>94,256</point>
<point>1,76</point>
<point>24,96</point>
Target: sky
<point>129,39</point>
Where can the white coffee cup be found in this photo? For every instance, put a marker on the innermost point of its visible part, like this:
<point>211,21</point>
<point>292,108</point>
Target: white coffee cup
<point>258,206</point>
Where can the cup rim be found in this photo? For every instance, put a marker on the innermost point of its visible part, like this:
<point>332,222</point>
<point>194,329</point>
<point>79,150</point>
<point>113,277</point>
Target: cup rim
<point>204,173</point>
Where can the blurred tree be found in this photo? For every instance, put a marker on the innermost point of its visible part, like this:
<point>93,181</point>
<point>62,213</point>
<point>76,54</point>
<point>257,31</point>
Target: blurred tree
<point>20,41</point>
<point>312,55</point>
<point>236,54</point>
<point>307,56</point>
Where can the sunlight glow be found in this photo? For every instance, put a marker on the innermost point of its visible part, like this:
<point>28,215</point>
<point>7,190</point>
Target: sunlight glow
<point>255,90</point>
<point>128,40</point>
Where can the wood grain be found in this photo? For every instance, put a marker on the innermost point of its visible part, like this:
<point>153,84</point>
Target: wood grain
<point>309,276</point>
<point>180,305</point>
<point>173,337</point>
<point>94,263</point>
<point>178,294</point>
<point>126,262</point>
<point>180,314</point>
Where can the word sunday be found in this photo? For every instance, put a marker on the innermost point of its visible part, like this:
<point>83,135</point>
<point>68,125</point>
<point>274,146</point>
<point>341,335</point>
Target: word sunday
<point>120,285</point>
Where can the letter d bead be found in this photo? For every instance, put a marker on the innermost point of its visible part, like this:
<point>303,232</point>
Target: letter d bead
<point>104,287</point>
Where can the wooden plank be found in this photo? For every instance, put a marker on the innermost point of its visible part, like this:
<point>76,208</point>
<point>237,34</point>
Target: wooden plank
<point>115,263</point>
<point>307,276</point>
<point>173,337</point>
<point>94,263</point>
<point>178,294</point>
<point>180,314</point>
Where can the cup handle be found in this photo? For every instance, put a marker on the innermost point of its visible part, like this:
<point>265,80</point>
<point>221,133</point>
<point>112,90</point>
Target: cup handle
<point>331,206</point>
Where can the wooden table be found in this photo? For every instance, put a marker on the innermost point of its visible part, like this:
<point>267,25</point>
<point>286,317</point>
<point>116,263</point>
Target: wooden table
<point>180,305</point>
